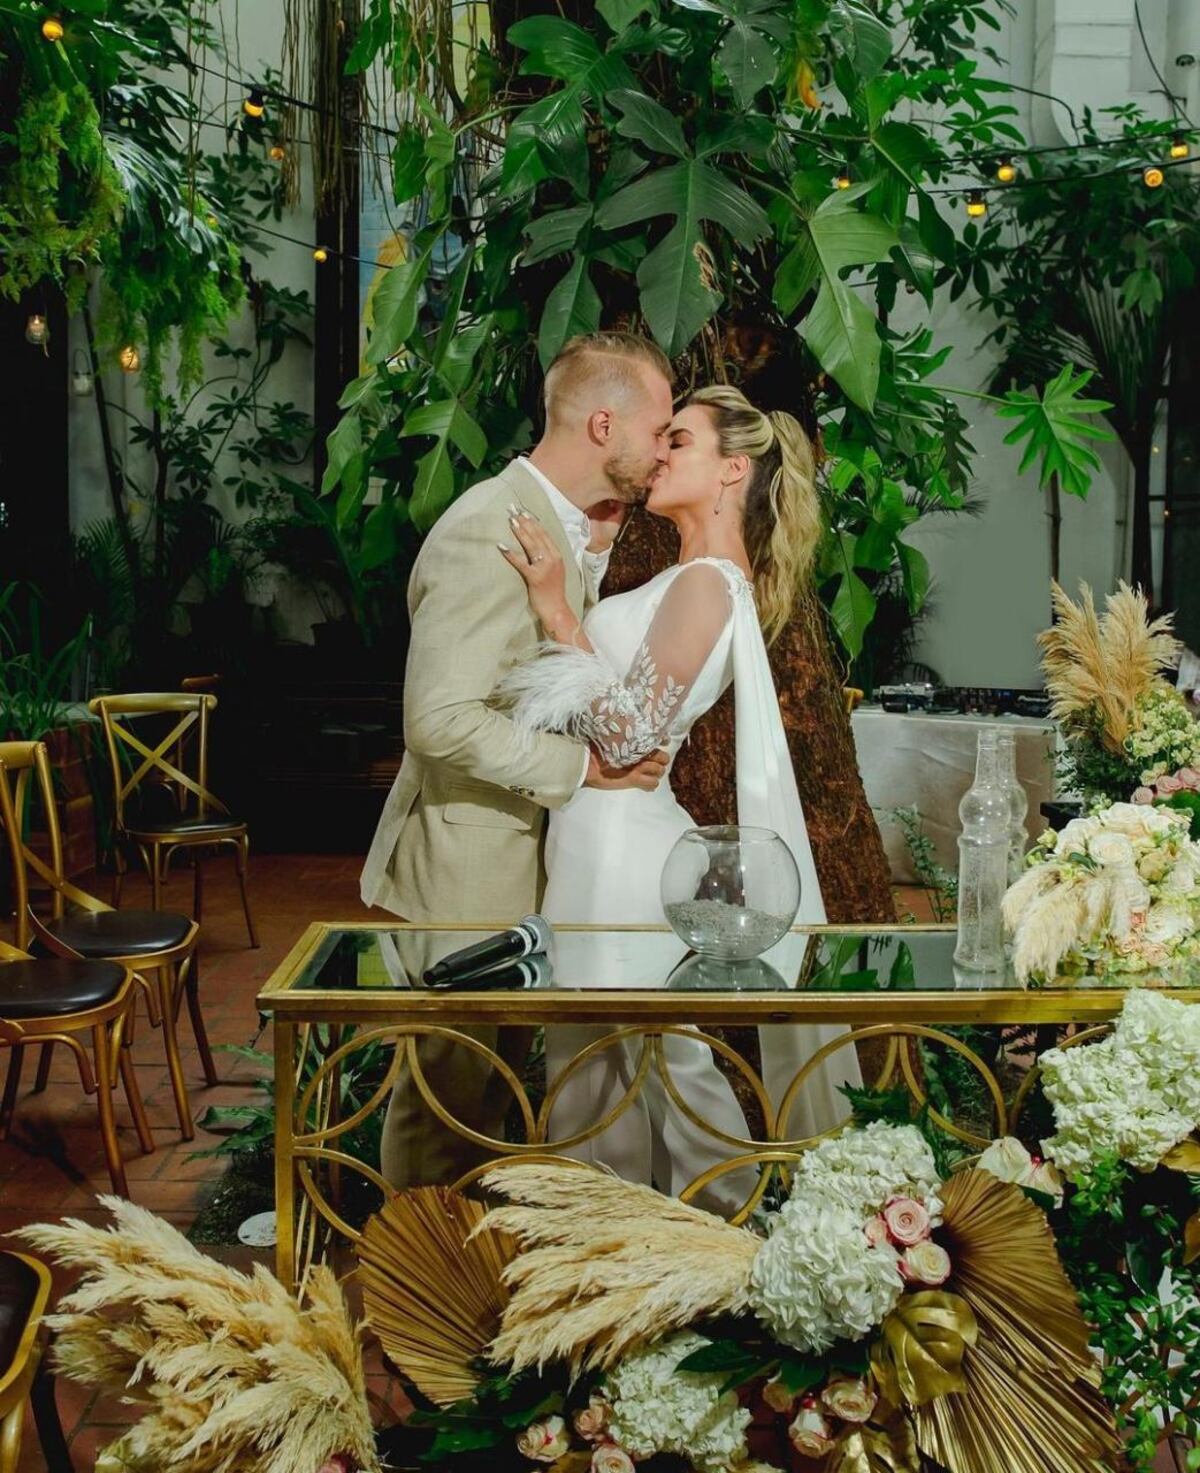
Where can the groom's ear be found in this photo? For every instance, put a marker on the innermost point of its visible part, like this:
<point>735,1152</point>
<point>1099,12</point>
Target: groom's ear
<point>600,425</point>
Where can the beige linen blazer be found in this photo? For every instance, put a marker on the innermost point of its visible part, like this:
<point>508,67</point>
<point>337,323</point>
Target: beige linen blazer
<point>460,834</point>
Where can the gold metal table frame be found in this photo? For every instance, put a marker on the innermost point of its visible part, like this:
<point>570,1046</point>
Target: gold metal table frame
<point>316,1029</point>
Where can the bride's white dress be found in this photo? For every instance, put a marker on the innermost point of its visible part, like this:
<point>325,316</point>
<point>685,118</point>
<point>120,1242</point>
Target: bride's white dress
<point>665,653</point>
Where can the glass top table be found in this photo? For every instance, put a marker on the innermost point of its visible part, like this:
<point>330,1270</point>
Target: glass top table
<point>340,971</point>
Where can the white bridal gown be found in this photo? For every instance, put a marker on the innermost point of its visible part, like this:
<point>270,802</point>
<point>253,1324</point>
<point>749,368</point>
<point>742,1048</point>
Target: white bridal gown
<point>665,653</point>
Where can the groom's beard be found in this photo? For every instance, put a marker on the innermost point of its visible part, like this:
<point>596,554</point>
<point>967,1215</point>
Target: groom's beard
<point>629,477</point>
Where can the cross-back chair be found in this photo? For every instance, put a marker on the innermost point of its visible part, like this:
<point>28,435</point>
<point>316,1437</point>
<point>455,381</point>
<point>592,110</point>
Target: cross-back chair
<point>24,1375</point>
<point>176,764</point>
<point>80,927</point>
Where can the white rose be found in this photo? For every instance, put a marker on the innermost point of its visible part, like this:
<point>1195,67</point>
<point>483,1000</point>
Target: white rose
<point>926,1263</point>
<point>1073,837</point>
<point>1168,921</point>
<point>777,1396</point>
<point>611,1459</point>
<point>811,1434</point>
<point>850,1398</point>
<point>591,1421</point>
<point>544,1442</point>
<point>1180,878</point>
<point>1047,1179</point>
<point>1007,1159</point>
<point>1112,850</point>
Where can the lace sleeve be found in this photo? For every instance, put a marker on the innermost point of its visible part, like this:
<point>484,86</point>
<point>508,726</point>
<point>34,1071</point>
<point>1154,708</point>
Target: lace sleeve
<point>626,716</point>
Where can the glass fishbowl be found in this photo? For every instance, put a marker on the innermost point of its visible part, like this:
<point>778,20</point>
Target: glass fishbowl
<point>730,891</point>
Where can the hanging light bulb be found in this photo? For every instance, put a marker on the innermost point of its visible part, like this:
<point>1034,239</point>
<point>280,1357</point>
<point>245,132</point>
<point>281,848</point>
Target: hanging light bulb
<point>52,29</point>
<point>254,105</point>
<point>1180,148</point>
<point>1152,176</point>
<point>842,180</point>
<point>81,375</point>
<point>320,255</point>
<point>278,152</point>
<point>1006,170</point>
<point>211,220</point>
<point>129,358</point>
<point>976,204</point>
<point>37,330</point>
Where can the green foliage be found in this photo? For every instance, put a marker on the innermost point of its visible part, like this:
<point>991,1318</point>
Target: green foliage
<point>668,169</point>
<point>939,883</point>
<point>35,681</point>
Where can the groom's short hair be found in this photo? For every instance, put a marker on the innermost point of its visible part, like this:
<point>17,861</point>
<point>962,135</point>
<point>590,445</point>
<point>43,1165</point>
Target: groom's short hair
<point>595,365</point>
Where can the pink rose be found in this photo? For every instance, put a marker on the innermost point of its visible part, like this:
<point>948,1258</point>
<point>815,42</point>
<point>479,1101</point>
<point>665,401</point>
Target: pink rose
<point>778,1397</point>
<point>611,1459</point>
<point>544,1442</point>
<point>850,1398</point>
<point>592,1421</point>
<point>339,1463</point>
<point>1143,795</point>
<point>877,1232</point>
<point>811,1433</point>
<point>907,1221</point>
<point>1168,784</point>
<point>926,1263</point>
<point>1189,777</point>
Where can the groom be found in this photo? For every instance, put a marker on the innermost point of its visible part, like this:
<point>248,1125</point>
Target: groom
<point>460,834</point>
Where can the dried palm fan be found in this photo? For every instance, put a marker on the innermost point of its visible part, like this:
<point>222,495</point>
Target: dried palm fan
<point>233,1373</point>
<point>606,1266</point>
<point>1104,664</point>
<point>1031,1398</point>
<point>432,1287</point>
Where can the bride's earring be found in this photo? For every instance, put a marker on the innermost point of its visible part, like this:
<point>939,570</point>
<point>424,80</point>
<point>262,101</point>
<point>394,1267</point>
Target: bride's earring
<point>720,499</point>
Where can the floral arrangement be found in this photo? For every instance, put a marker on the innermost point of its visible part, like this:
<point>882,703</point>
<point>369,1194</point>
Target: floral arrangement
<point>876,1324</point>
<point>1124,726</point>
<point>1109,895</point>
<point>1121,1182</point>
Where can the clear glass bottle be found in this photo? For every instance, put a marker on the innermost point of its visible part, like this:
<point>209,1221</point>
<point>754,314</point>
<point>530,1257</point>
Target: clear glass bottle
<point>1018,803</point>
<point>984,846</point>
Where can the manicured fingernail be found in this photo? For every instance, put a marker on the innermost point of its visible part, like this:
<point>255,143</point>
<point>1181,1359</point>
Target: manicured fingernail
<point>503,546</point>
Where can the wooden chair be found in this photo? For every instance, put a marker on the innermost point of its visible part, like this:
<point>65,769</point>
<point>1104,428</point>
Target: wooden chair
<point>195,818</point>
<point>49,1000</point>
<point>80,927</point>
<point>24,1294</point>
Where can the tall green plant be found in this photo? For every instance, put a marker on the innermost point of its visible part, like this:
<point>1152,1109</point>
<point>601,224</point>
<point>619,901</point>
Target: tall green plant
<point>668,165</point>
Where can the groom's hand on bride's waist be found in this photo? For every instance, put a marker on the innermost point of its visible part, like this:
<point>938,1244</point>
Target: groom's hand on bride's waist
<point>646,774</point>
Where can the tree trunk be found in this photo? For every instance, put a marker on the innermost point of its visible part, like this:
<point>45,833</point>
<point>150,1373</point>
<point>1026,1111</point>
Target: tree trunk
<point>847,849</point>
<point>1142,561</point>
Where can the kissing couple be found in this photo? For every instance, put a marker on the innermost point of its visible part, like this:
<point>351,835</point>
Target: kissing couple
<point>528,696</point>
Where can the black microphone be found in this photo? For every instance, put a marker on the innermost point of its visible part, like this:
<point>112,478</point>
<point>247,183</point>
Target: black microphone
<point>530,971</point>
<point>532,934</point>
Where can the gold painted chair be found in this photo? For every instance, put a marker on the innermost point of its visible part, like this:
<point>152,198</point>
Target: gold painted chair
<point>24,1376</point>
<point>80,927</point>
<point>49,1000</point>
<point>189,815</point>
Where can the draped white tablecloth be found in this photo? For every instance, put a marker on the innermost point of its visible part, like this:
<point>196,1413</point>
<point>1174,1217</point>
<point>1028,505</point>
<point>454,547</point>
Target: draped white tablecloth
<point>928,762</point>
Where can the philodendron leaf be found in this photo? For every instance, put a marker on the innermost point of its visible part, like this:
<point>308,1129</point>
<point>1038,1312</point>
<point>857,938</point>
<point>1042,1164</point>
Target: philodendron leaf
<point>1054,427</point>
<point>573,307</point>
<point>852,610</point>
<point>648,123</point>
<point>395,305</point>
<point>748,55</point>
<point>861,37</point>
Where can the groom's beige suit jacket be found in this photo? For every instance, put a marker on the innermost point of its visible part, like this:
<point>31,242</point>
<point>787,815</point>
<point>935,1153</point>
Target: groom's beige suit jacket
<point>460,835</point>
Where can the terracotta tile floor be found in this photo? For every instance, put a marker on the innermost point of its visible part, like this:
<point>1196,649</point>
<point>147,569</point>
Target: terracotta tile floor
<point>52,1164</point>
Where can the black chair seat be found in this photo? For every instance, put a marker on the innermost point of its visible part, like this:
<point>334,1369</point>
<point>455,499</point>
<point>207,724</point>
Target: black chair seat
<point>52,988</point>
<point>18,1294</point>
<point>121,932</point>
<point>183,828</point>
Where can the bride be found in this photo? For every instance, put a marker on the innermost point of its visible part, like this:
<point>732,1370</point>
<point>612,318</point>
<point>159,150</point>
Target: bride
<point>634,676</point>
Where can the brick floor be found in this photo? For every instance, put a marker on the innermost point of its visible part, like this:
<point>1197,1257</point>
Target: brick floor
<point>52,1164</point>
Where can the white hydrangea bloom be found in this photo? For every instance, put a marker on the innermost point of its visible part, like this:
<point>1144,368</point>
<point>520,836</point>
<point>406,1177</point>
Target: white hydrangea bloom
<point>863,1167</point>
<point>1135,1093</point>
<point>657,1409</point>
<point>818,1278</point>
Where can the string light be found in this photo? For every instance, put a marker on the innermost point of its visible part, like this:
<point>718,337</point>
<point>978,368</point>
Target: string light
<point>1180,148</point>
<point>1006,170</point>
<point>320,255</point>
<point>36,330</point>
<point>976,204</point>
<point>842,180</point>
<point>1152,176</point>
<point>278,152</point>
<point>254,105</point>
<point>212,221</point>
<point>129,358</point>
<point>52,29</point>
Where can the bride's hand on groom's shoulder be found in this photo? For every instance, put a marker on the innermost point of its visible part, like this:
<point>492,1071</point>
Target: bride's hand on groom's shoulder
<point>538,560</point>
<point>646,774</point>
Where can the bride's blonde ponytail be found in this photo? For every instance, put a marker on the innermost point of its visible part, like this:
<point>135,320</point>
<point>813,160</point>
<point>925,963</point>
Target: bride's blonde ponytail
<point>782,518</point>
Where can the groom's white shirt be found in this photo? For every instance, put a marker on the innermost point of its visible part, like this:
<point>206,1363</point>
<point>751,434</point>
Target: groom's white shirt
<point>578,528</point>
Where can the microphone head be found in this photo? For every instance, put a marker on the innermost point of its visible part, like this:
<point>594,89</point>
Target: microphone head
<point>539,927</point>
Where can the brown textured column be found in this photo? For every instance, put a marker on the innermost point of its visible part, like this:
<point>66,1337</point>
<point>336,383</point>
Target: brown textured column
<point>847,849</point>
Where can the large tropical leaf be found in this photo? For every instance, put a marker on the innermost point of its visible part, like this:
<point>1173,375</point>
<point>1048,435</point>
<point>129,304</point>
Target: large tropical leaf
<point>451,426</point>
<point>1055,428</point>
<point>861,37</point>
<point>573,307</point>
<point>747,55</point>
<point>395,305</point>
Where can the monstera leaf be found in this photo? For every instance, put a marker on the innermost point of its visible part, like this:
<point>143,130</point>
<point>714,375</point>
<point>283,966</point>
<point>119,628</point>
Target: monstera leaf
<point>675,298</point>
<point>840,329</point>
<point>1055,429</point>
<point>919,1354</point>
<point>747,55</point>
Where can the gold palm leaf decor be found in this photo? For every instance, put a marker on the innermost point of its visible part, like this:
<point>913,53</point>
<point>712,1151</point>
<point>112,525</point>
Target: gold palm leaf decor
<point>606,1266</point>
<point>433,1287</point>
<point>1030,1399</point>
